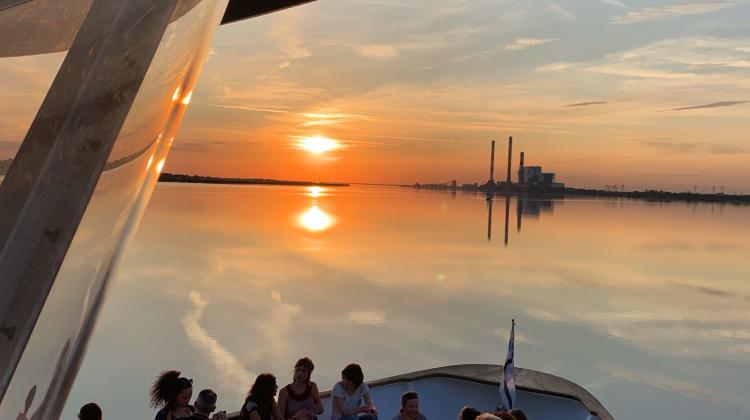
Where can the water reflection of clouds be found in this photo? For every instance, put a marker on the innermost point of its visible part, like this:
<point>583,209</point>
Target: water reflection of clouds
<point>226,367</point>
<point>437,295</point>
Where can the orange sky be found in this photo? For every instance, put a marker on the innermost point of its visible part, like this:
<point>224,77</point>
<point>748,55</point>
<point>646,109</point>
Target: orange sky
<point>642,93</point>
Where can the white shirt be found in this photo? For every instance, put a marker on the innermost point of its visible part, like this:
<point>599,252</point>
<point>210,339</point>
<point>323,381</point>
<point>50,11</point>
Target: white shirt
<point>351,401</point>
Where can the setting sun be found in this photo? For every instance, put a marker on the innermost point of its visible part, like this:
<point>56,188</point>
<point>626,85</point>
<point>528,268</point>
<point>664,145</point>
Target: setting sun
<point>318,144</point>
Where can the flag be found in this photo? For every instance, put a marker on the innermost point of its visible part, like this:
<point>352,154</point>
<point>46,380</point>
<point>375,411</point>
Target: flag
<point>508,385</point>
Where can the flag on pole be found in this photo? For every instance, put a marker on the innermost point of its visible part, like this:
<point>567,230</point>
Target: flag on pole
<point>508,385</point>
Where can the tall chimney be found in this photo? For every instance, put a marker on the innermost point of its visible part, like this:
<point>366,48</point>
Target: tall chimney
<point>492,162</point>
<point>520,171</point>
<point>510,159</point>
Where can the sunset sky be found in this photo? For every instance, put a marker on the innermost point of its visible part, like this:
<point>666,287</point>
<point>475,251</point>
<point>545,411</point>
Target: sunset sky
<point>643,93</point>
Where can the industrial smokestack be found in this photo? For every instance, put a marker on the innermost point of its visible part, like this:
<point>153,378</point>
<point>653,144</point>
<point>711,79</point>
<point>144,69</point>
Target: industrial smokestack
<point>520,171</point>
<point>492,162</point>
<point>510,159</point>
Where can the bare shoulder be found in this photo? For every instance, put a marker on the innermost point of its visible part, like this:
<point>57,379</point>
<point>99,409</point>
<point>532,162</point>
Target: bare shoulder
<point>314,386</point>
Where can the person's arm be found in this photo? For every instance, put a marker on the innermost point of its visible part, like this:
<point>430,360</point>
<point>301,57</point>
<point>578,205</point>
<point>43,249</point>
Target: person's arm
<point>316,399</point>
<point>282,403</point>
<point>275,411</point>
<point>255,416</point>
<point>339,401</point>
<point>369,403</point>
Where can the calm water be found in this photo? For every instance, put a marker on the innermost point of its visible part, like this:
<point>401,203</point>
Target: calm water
<point>646,305</point>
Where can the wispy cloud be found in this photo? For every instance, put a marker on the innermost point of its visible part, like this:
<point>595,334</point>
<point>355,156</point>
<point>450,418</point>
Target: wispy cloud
<point>284,64</point>
<point>615,3</point>
<point>470,56</point>
<point>560,11</point>
<point>564,65</point>
<point>586,103</point>
<point>711,105</point>
<point>675,10</point>
<point>251,108</point>
<point>523,43</point>
<point>375,51</point>
<point>373,318</point>
<point>226,365</point>
<point>670,146</point>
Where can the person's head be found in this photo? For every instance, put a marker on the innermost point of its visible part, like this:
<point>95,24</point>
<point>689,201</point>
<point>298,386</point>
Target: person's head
<point>90,411</point>
<point>518,414</point>
<point>468,413</point>
<point>352,376</point>
<point>303,370</point>
<point>410,404</point>
<point>489,416</point>
<point>205,403</point>
<point>500,415</point>
<point>264,388</point>
<point>171,390</point>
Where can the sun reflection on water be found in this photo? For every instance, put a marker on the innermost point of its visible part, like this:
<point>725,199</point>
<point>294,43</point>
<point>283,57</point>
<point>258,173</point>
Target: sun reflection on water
<point>315,219</point>
<point>316,191</point>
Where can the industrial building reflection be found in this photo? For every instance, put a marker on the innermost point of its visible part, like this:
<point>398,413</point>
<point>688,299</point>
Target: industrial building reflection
<point>525,207</point>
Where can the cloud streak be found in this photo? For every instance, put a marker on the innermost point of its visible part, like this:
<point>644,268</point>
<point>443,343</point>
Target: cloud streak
<point>585,104</point>
<point>711,105</point>
<point>674,10</point>
<point>228,368</point>
<point>523,43</point>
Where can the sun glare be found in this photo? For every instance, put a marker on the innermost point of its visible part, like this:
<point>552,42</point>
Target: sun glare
<point>315,219</point>
<point>315,191</point>
<point>318,144</point>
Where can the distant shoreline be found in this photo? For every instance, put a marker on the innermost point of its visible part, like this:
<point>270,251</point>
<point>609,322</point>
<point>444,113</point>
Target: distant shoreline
<point>647,195</point>
<point>198,179</point>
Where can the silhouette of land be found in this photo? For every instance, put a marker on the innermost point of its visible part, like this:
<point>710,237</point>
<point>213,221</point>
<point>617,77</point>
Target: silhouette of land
<point>198,179</point>
<point>648,195</point>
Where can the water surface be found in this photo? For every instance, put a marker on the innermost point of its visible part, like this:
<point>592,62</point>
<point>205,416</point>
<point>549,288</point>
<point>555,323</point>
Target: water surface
<point>646,305</point>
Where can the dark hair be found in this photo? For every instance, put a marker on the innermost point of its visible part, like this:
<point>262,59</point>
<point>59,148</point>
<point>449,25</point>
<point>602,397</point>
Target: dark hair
<point>353,372</point>
<point>90,411</point>
<point>406,396</point>
<point>263,389</point>
<point>166,386</point>
<point>306,363</point>
<point>518,414</point>
<point>468,413</point>
<point>206,399</point>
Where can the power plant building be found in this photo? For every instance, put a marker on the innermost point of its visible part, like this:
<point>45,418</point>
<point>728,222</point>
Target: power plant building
<point>533,177</point>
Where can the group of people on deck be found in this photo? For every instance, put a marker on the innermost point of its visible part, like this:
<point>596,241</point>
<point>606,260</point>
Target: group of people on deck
<point>172,393</point>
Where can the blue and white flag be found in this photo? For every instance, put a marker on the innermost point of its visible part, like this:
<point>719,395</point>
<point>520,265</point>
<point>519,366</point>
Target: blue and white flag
<point>508,385</point>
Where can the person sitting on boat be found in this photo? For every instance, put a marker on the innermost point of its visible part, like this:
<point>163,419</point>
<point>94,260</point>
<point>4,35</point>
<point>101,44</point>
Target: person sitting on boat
<point>518,414</point>
<point>172,393</point>
<point>500,415</point>
<point>90,411</point>
<point>409,407</point>
<point>260,404</point>
<point>301,399</point>
<point>205,404</point>
<point>468,413</point>
<point>351,396</point>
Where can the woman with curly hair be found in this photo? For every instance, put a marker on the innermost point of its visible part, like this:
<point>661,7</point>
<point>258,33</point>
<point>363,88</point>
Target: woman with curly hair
<point>171,394</point>
<point>259,404</point>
